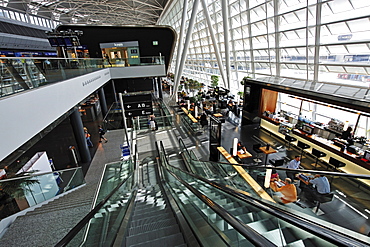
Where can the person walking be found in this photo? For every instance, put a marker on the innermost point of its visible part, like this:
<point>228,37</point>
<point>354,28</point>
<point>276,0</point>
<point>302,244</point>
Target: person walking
<point>88,139</point>
<point>101,134</point>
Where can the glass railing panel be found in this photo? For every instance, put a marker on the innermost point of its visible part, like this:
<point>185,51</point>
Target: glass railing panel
<point>346,205</point>
<point>23,73</point>
<point>210,229</point>
<point>103,227</point>
<point>277,230</point>
<point>21,192</point>
<point>114,174</point>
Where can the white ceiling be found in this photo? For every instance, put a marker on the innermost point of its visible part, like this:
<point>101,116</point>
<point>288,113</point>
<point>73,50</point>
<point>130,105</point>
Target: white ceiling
<point>115,12</point>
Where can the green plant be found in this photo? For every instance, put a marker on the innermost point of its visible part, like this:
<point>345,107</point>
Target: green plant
<point>214,80</point>
<point>242,82</point>
<point>241,94</point>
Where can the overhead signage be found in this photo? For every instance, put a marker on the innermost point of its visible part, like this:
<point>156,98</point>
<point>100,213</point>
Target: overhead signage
<point>137,105</point>
<point>142,112</point>
<point>127,99</point>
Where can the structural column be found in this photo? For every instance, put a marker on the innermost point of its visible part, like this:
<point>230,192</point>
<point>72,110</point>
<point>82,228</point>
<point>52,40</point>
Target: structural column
<point>159,85</point>
<point>103,102</point>
<point>78,131</point>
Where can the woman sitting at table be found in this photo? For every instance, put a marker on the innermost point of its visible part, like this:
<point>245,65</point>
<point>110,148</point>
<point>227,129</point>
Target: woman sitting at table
<point>240,148</point>
<point>288,191</point>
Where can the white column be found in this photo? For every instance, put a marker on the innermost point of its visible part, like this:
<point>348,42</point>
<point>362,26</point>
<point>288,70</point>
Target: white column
<point>267,178</point>
<point>235,146</point>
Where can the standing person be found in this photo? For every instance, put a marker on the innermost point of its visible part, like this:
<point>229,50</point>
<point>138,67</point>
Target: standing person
<point>106,56</point>
<point>293,164</point>
<point>101,134</point>
<point>152,123</point>
<point>87,136</point>
<point>203,120</point>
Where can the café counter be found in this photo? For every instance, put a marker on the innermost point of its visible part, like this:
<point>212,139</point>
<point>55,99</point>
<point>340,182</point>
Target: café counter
<point>353,164</point>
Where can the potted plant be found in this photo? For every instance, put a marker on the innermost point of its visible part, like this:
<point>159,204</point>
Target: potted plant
<point>214,80</point>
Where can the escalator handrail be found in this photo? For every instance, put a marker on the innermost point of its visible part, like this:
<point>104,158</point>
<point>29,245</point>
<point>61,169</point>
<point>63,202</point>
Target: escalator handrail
<point>38,174</point>
<point>340,174</point>
<point>77,228</point>
<point>310,226</point>
<point>248,232</point>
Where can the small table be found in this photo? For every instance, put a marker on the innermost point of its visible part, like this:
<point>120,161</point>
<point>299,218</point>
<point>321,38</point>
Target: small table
<point>267,152</point>
<point>244,155</point>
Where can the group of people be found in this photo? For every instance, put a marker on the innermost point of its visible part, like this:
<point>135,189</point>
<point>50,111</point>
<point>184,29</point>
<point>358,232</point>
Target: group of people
<point>101,136</point>
<point>315,187</point>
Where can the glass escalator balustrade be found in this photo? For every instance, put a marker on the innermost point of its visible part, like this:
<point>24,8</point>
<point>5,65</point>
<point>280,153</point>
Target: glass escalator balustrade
<point>346,206</point>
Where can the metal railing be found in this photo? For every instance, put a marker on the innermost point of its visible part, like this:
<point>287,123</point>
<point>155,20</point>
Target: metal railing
<point>18,74</point>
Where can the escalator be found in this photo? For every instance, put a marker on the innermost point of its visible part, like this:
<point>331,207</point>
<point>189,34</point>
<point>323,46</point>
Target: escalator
<point>162,205</point>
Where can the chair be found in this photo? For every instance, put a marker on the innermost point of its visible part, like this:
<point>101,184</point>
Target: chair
<point>323,199</point>
<point>318,154</point>
<point>259,153</point>
<point>289,139</point>
<point>277,162</point>
<point>303,146</point>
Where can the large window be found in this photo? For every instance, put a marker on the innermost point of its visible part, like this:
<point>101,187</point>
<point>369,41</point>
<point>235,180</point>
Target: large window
<point>323,113</point>
<point>320,41</point>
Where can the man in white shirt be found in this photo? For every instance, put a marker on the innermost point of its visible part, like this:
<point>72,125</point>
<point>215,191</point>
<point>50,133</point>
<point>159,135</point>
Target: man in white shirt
<point>293,164</point>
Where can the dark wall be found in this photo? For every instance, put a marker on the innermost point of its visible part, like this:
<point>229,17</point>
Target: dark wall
<point>252,98</point>
<point>94,35</point>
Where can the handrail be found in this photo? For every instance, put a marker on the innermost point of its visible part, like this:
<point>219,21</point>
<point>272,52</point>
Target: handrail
<point>303,223</point>
<point>76,229</point>
<point>247,232</point>
<point>70,181</point>
<point>37,175</point>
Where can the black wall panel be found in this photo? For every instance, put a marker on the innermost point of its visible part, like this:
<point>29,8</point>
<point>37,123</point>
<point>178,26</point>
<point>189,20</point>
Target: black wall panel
<point>94,35</point>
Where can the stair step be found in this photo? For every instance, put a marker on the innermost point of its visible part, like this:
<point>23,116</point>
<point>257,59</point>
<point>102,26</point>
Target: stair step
<point>150,209</point>
<point>148,215</point>
<point>152,226</point>
<point>171,240</point>
<point>145,235</point>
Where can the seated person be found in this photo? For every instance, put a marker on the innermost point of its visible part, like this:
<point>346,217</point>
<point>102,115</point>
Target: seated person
<point>240,148</point>
<point>288,191</point>
<point>321,186</point>
<point>274,176</point>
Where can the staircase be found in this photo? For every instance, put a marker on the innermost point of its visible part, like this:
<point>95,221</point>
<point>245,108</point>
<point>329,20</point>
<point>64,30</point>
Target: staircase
<point>48,224</point>
<point>152,222</point>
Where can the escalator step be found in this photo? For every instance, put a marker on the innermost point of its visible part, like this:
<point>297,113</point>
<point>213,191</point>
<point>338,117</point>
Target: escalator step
<point>150,225</point>
<point>150,215</point>
<point>146,236</point>
<point>172,240</point>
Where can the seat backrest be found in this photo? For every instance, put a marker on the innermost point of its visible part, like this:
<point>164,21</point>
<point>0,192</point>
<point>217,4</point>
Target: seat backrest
<point>256,147</point>
<point>326,198</point>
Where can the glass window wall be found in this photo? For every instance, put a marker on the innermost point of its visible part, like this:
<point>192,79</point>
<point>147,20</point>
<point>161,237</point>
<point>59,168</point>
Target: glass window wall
<point>320,41</point>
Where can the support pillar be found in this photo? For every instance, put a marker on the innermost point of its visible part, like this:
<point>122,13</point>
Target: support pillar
<point>103,102</point>
<point>78,131</point>
<point>159,84</point>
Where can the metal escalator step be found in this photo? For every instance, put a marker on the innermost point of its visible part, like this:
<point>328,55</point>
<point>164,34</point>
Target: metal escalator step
<point>153,209</point>
<point>172,240</point>
<point>142,237</point>
<point>150,218</point>
<point>151,225</point>
<point>263,226</point>
<point>281,236</point>
<point>248,217</point>
<point>151,215</point>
